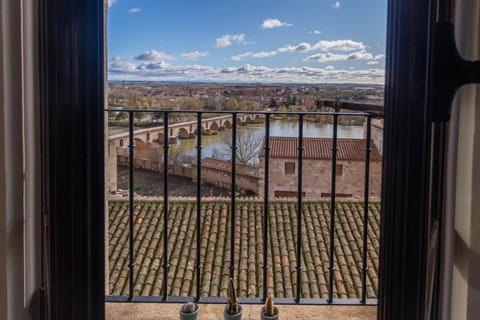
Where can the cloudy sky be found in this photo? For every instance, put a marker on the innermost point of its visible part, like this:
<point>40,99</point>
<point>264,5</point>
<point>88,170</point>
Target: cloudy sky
<point>297,41</point>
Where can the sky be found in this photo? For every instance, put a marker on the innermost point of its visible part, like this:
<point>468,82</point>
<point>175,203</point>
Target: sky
<point>262,41</point>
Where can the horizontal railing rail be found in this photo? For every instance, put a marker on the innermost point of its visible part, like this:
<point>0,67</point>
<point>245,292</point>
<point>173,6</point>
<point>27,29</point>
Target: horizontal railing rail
<point>265,228</point>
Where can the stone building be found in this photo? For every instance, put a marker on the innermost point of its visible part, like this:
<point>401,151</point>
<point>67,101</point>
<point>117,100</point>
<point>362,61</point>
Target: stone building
<point>377,133</point>
<point>317,168</point>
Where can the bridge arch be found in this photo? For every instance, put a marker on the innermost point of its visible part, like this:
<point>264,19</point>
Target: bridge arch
<point>214,126</point>
<point>227,124</point>
<point>203,130</point>
<point>183,133</point>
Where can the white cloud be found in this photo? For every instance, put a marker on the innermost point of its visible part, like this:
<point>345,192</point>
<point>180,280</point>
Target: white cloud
<point>379,56</point>
<point>246,73</point>
<point>326,57</point>
<point>301,47</point>
<point>338,45</point>
<point>229,39</point>
<point>118,58</point>
<point>360,55</point>
<point>373,62</point>
<point>315,32</point>
<point>336,5</point>
<point>274,23</point>
<point>121,66</point>
<point>193,55</point>
<point>154,55</point>
<point>134,10</point>
<point>111,2</point>
<point>263,54</point>
<point>325,45</point>
<point>329,68</point>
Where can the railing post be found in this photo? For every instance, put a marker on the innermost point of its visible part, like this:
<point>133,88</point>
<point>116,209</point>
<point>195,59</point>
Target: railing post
<point>199,203</point>
<point>131,236</point>
<point>233,191</point>
<point>299,208</point>
<point>365,209</point>
<point>332,209</point>
<point>265,205</point>
<point>166,146</point>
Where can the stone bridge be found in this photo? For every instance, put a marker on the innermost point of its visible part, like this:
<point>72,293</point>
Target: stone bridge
<point>182,130</point>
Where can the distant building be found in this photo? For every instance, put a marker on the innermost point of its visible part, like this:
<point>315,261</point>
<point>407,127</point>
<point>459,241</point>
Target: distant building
<point>317,168</point>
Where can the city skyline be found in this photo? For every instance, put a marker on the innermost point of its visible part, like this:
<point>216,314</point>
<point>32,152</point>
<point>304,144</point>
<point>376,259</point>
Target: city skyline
<point>280,41</point>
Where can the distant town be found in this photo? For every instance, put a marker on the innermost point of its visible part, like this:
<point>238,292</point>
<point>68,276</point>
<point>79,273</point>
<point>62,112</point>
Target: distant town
<point>216,96</point>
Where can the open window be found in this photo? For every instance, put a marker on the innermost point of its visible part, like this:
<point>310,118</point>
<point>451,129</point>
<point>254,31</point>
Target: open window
<point>72,89</point>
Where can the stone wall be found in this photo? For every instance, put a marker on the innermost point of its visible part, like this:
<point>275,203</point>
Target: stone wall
<point>316,180</point>
<point>156,166</point>
<point>223,179</point>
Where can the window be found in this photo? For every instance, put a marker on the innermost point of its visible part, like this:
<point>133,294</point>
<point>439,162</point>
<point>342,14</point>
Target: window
<point>339,170</point>
<point>289,167</point>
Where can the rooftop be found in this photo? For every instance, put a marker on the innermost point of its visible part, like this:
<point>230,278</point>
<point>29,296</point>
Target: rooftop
<point>215,250</point>
<point>226,165</point>
<point>320,149</point>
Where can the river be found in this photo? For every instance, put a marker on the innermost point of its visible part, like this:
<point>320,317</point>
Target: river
<point>214,143</point>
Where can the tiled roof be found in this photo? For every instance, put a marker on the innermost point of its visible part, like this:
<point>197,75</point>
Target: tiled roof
<point>215,249</point>
<point>226,165</point>
<point>320,149</point>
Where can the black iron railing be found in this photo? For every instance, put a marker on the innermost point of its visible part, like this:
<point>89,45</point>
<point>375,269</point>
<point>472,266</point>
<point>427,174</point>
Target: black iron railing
<point>267,116</point>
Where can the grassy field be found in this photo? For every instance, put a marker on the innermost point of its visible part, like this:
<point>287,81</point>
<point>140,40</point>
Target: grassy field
<point>215,248</point>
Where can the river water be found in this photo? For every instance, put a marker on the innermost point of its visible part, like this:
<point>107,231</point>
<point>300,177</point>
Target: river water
<point>216,143</point>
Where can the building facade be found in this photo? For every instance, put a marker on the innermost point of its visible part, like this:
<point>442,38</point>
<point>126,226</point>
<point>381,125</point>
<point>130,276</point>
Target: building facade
<point>317,168</point>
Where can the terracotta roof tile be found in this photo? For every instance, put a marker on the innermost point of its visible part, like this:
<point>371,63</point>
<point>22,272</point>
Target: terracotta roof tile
<point>320,149</point>
<point>215,248</point>
<point>226,165</point>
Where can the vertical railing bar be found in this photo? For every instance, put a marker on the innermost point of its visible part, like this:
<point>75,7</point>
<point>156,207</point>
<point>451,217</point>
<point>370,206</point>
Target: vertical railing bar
<point>299,208</point>
<point>265,206</point>
<point>332,209</point>
<point>131,153</point>
<point>166,146</point>
<point>199,202</point>
<point>365,209</point>
<point>233,191</point>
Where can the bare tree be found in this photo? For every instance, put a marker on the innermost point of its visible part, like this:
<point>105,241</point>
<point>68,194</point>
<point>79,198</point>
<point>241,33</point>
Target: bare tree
<point>248,146</point>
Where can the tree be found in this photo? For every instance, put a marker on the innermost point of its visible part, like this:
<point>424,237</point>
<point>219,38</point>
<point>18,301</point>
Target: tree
<point>122,115</point>
<point>139,116</point>
<point>273,104</point>
<point>248,146</point>
<point>232,104</point>
<point>291,100</point>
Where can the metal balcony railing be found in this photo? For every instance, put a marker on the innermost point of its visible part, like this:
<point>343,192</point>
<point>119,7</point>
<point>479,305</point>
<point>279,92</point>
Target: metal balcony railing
<point>297,299</point>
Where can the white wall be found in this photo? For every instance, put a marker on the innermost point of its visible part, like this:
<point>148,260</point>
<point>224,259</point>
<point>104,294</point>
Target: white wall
<point>462,279</point>
<point>19,162</point>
